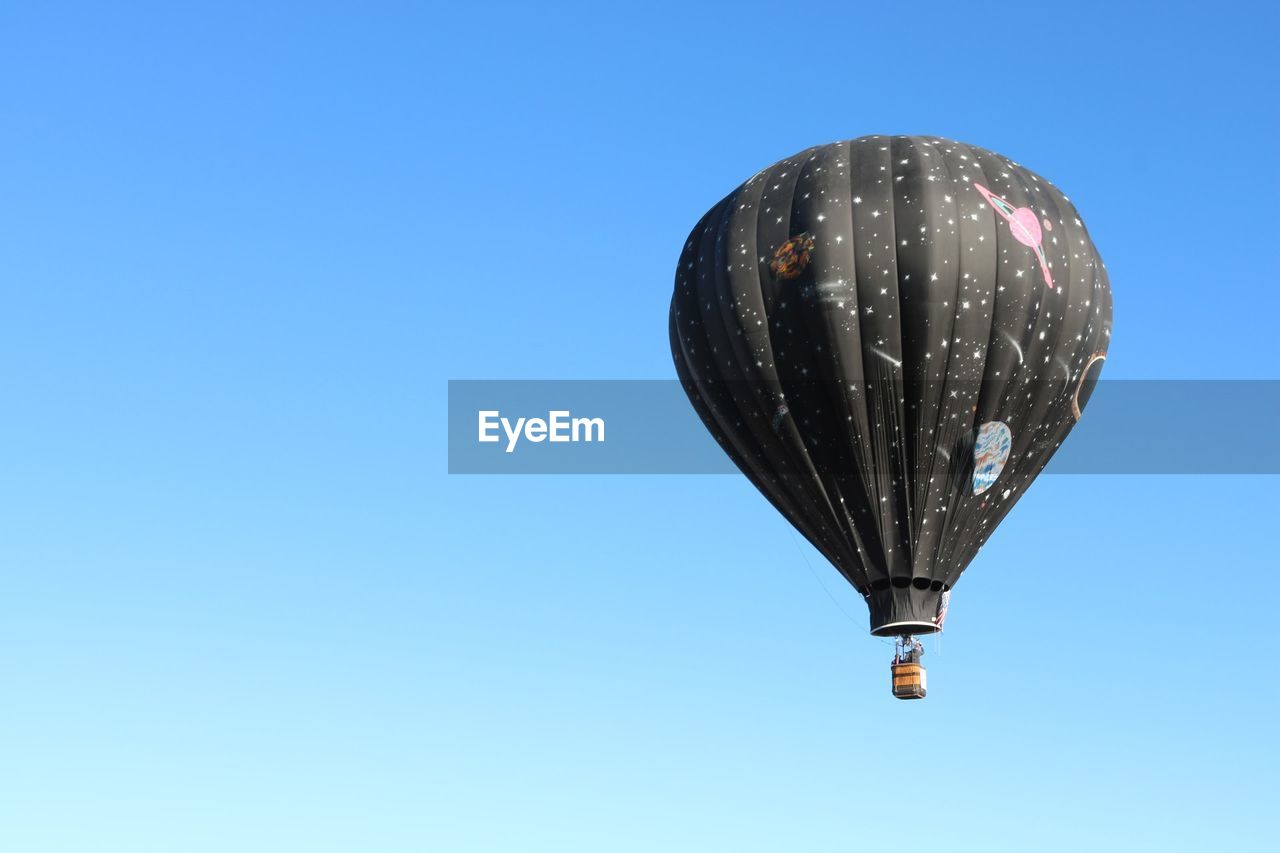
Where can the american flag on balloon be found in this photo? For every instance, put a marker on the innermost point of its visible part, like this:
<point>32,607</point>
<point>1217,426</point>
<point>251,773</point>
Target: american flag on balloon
<point>944,601</point>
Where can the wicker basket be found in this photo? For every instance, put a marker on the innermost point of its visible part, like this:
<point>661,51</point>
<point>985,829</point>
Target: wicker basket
<point>908,681</point>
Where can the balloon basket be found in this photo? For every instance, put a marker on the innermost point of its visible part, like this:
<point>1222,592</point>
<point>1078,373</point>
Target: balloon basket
<point>908,681</point>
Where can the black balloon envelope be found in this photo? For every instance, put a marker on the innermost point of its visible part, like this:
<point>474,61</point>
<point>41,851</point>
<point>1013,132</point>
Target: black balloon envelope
<point>890,337</point>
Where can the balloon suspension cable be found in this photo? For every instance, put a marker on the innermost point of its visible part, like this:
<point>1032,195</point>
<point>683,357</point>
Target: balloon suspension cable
<point>816,576</point>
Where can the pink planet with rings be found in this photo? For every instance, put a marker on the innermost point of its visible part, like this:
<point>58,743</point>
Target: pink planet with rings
<point>1024,225</point>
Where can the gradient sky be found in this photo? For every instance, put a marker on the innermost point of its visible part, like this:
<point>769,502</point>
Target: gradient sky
<point>244,608</point>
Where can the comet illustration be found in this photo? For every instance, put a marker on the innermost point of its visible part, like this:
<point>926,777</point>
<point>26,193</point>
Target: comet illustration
<point>1014,342</point>
<point>894,361</point>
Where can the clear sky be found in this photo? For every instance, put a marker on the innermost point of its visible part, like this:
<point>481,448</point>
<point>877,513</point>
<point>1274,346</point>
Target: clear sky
<point>244,608</point>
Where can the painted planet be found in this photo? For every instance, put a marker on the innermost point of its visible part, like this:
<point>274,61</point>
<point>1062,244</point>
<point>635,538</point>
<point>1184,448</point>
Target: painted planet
<point>1088,379</point>
<point>1025,227</point>
<point>791,258</point>
<point>779,415</point>
<point>990,453</point>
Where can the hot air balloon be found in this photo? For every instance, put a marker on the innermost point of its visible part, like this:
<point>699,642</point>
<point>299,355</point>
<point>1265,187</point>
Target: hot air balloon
<point>890,337</point>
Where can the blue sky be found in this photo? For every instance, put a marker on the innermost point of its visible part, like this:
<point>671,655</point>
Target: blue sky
<point>242,606</point>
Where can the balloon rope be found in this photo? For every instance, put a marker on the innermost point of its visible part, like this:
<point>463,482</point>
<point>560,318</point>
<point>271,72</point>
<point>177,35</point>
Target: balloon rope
<point>816,576</point>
